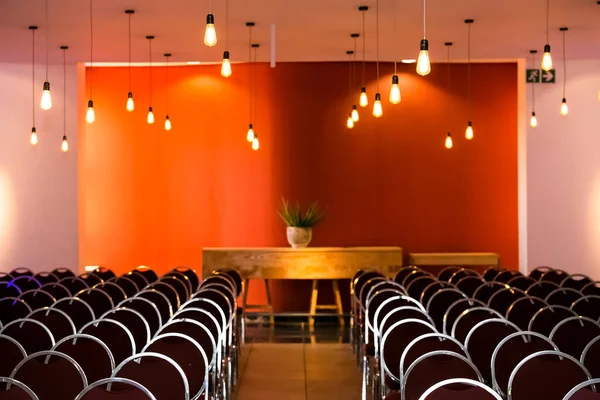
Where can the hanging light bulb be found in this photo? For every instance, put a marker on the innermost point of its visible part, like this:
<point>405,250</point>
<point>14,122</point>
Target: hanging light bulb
<point>377,109</point>
<point>354,113</point>
<point>90,115</point>
<point>210,33</point>
<point>564,108</point>
<point>167,119</point>
<point>423,64</point>
<point>349,122</point>
<point>46,102</point>
<point>547,59</point>
<point>255,144</point>
<point>364,100</point>
<point>167,124</point>
<point>226,65</point>
<point>448,142</point>
<point>150,118</point>
<point>33,139</point>
<point>533,121</point>
<point>65,145</point>
<point>469,131</point>
<point>395,97</point>
<point>130,105</point>
<point>250,134</point>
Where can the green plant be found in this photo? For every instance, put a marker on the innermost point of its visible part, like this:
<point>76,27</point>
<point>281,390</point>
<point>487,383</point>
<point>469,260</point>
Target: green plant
<point>292,215</point>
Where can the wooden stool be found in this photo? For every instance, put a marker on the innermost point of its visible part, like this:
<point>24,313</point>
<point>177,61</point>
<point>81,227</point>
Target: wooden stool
<point>268,307</point>
<point>314,306</point>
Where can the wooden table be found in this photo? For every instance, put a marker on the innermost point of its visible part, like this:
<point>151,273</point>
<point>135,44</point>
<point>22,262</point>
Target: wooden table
<point>454,259</point>
<point>309,263</point>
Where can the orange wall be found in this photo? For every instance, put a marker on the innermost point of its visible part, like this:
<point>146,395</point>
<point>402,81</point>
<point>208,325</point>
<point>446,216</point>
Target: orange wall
<point>156,198</point>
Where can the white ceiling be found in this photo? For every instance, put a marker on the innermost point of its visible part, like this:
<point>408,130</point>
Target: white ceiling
<point>309,30</point>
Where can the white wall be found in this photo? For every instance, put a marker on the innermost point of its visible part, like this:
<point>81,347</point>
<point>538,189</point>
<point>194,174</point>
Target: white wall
<point>38,185</point>
<point>563,173</point>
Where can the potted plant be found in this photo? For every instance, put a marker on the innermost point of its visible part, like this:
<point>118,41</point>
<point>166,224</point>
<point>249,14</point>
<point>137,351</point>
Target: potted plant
<point>299,225</point>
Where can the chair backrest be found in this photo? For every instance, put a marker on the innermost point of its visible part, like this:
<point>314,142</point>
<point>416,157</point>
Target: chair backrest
<point>373,304</point>
<point>237,278</point>
<point>26,282</point>
<point>563,297</point>
<point>573,334</point>
<point>212,307</point>
<point>74,284</point>
<point>432,289</point>
<point>91,353</point>
<point>114,291</point>
<point>5,277</point>
<point>590,357</point>
<point>554,275</point>
<point>62,273</point>
<point>218,298</point>
<point>403,273</point>
<point>194,330</point>
<point>51,375</point>
<point>78,310</point>
<point>104,273</point>
<point>587,306</point>
<point>402,313</point>
<point>433,367</point>
<point>129,286</point>
<point>91,279</point>
<point>547,375</point>
<point>510,351</point>
<point>522,309</point>
<point>59,323</point>
<point>416,286</point>
<point>12,354</point>
<point>469,284</point>
<point>483,339</point>
<point>576,281</point>
<point>414,274</point>
<point>157,372</point>
<point>185,280</point>
<point>360,280</point>
<point>446,273</point>
<point>439,303</point>
<point>57,290</point>
<point>485,292</point>
<point>230,305</point>
<point>122,389</point>
<point>221,279</point>
<point>541,289</point>
<point>21,272</point>
<point>37,298</point>
<point>507,275</point>
<point>457,308</point>
<point>545,319</point>
<point>490,274</point>
<point>591,288</point>
<point>188,354</point>
<point>147,273</point>
<point>503,299</point>
<point>114,334</point>
<point>397,337</point>
<point>468,319</point>
<point>147,309</point>
<point>521,282</point>
<point>460,389</point>
<point>12,309</point>
<point>180,287</point>
<point>16,390</point>
<point>98,299</point>
<point>584,391</point>
<point>462,273</point>
<point>426,344</point>
<point>31,334</point>
<point>204,317</point>
<point>161,301</point>
<point>537,272</point>
<point>134,321</point>
<point>364,290</point>
<point>140,280</point>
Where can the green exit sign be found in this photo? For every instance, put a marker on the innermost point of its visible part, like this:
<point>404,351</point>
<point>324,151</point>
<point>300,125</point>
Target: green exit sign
<point>539,76</point>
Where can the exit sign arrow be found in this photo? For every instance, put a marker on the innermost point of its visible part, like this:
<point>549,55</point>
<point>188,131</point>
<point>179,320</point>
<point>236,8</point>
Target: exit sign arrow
<point>549,76</point>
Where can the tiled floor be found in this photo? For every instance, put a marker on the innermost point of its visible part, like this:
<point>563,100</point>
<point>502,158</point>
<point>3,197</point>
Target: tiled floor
<point>298,371</point>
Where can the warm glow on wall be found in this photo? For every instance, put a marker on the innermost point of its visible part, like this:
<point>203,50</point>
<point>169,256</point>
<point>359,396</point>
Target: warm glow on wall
<point>7,216</point>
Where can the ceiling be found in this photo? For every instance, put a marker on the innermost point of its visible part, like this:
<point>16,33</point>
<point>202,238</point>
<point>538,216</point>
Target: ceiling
<point>308,30</point>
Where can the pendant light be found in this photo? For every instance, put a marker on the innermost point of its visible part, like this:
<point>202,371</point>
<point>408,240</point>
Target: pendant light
<point>46,100</point>
<point>350,120</point>
<point>226,64</point>
<point>354,112</point>
<point>423,63</point>
<point>533,120</point>
<point>250,134</point>
<point>363,99</point>
<point>34,137</point>
<point>150,118</point>
<point>129,106</point>
<point>255,143</point>
<point>90,115</point>
<point>65,144</point>
<point>547,57</point>
<point>564,108</point>
<point>469,131</point>
<point>210,33</point>
<point>377,110</point>
<point>167,120</point>
<point>395,96</point>
<point>448,143</point>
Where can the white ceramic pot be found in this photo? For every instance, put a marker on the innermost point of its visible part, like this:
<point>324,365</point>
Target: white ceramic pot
<point>299,237</point>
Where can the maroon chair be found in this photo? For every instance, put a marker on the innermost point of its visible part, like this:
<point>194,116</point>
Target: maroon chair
<point>202,316</point>
<point>62,273</point>
<point>576,281</point>
<point>431,289</point>
<point>57,290</point>
<point>503,299</point>
<point>545,375</point>
<point>103,273</point>
<point>490,274</point>
<point>485,292</point>
<point>545,319</point>
<point>414,274</point>
<point>231,273</point>
<point>539,271</point>
<point>114,291</point>
<point>26,282</point>
<point>147,273</point>
<point>21,272</point>
<point>59,323</point>
<point>133,321</point>
<point>439,303</point>
<point>510,351</point>
<point>218,298</point>
<point>400,314</point>
<point>12,309</point>
<point>91,279</point>
<point>180,288</point>
<point>404,272</point>
<point>591,289</point>
<point>573,334</point>
<point>91,353</point>
<point>590,357</point>
<point>460,389</point>
<point>78,310</point>
<point>563,297</point>
<point>197,331</point>
<point>446,273</point>
<point>5,277</point>
<point>148,309</point>
<point>8,289</point>
<point>507,275</point>
<point>482,341</point>
<point>74,284</point>
<point>416,286</point>
<point>129,286</point>
<point>462,273</point>
<point>37,298</point>
<point>51,375</point>
<point>469,284</point>
<point>160,300</point>
<point>99,300</point>
<point>373,303</point>
<point>189,289</point>
<point>468,319</point>
<point>31,334</point>
<point>541,289</point>
<point>157,372</point>
<point>194,281</point>
<point>587,390</point>
<point>115,335</point>
<point>12,354</point>
<point>139,279</point>
<point>555,276</point>
<point>115,389</point>
<point>522,309</point>
<point>11,389</point>
<point>587,306</point>
<point>455,309</point>
<point>521,282</point>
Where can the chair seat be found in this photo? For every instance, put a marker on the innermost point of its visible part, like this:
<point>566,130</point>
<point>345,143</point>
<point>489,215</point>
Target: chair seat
<point>395,395</point>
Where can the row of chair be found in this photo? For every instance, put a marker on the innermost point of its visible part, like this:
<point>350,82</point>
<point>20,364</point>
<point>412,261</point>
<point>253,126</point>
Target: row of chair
<point>416,330</point>
<point>106,337</point>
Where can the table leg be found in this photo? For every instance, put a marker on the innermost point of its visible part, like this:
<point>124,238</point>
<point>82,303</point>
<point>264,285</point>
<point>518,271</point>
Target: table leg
<point>338,301</point>
<point>313,303</point>
<point>268,290</point>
